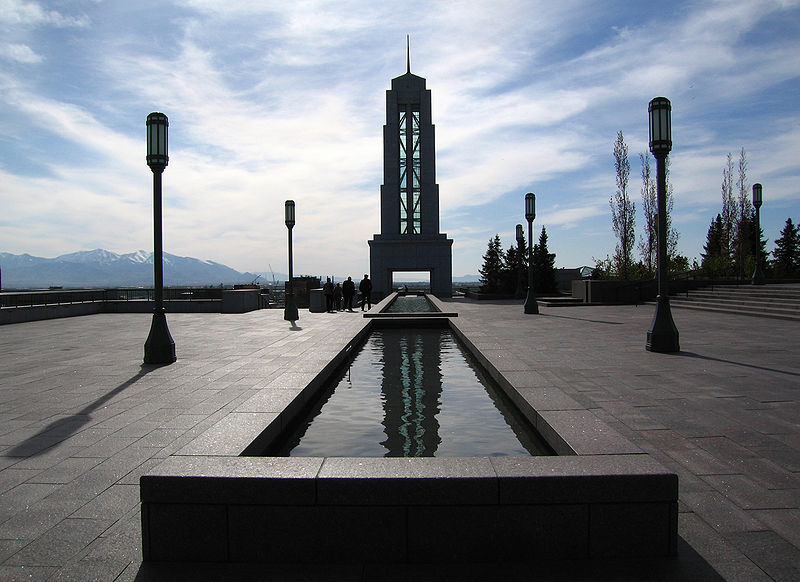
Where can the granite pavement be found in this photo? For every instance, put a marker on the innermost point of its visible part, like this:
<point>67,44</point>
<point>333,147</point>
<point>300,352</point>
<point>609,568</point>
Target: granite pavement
<point>81,418</point>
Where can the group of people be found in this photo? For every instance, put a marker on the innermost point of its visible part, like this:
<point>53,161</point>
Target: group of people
<point>336,295</point>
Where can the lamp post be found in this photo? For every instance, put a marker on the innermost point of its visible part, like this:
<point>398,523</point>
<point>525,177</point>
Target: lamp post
<point>531,305</point>
<point>758,274</point>
<point>290,309</point>
<point>663,335</point>
<point>159,347</point>
<point>520,262</point>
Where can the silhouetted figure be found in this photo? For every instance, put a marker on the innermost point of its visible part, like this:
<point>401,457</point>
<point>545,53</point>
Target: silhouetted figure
<point>327,290</point>
<point>348,290</point>
<point>366,290</point>
<point>337,297</point>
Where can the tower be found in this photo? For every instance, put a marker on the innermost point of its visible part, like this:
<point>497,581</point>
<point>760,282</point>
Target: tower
<point>410,239</point>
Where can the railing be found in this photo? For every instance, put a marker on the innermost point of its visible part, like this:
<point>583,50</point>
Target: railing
<point>50,297</point>
<point>71,296</point>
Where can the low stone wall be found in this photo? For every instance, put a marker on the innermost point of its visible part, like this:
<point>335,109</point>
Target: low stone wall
<point>614,292</point>
<point>259,509</point>
<point>240,300</point>
<point>40,312</point>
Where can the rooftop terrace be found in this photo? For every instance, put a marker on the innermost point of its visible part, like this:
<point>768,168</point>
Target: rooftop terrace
<point>82,419</point>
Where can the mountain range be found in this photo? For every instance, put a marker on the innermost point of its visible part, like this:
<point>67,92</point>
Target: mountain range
<point>102,268</point>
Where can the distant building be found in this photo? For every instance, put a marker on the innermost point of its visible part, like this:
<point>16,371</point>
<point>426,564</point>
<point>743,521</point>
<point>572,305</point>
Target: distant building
<point>565,277</point>
<point>410,239</point>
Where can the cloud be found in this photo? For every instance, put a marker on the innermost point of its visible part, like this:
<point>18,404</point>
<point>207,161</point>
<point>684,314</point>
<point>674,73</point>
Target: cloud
<point>274,101</point>
<point>20,13</point>
<point>20,53</point>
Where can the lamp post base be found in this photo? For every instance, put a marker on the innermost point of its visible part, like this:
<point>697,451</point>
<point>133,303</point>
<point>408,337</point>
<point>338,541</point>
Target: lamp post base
<point>531,305</point>
<point>159,347</point>
<point>663,335</point>
<point>758,277</point>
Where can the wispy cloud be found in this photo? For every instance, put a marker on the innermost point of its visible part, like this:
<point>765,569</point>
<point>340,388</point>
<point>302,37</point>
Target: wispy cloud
<point>20,53</point>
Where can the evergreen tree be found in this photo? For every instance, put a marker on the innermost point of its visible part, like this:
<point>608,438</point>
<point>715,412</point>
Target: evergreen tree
<point>516,264</point>
<point>623,209</point>
<point>544,270</point>
<point>715,251</point>
<point>510,277</point>
<point>493,264</point>
<point>786,256</point>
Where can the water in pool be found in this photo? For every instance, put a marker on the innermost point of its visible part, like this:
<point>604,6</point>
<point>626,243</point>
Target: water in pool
<point>410,304</point>
<point>413,393</point>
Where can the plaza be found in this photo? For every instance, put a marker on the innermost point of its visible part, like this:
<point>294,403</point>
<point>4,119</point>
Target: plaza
<point>83,420</point>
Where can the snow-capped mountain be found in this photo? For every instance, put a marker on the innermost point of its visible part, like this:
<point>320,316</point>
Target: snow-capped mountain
<point>102,268</point>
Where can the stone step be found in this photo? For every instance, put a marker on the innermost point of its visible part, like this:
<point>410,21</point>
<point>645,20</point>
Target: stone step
<point>753,293</point>
<point>744,302</point>
<point>733,311</point>
<point>774,301</point>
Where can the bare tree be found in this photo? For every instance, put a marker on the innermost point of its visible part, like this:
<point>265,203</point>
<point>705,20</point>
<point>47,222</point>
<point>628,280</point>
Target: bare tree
<point>623,210</point>
<point>728,206</point>
<point>672,233</point>
<point>745,227</point>
<point>648,244</point>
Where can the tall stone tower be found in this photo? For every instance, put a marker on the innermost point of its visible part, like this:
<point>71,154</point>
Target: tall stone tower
<point>410,239</point>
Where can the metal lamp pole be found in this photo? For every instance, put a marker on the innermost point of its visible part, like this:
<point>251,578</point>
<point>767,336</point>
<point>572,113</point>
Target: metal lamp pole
<point>531,305</point>
<point>159,347</point>
<point>521,262</point>
<point>758,274</point>
<point>290,309</point>
<point>663,335</point>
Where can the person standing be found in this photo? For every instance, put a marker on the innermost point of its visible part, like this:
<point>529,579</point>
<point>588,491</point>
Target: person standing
<point>366,289</point>
<point>327,290</point>
<point>348,290</point>
<point>337,297</point>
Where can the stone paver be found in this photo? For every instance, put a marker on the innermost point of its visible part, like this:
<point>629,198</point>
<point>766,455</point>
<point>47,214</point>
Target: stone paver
<point>81,419</point>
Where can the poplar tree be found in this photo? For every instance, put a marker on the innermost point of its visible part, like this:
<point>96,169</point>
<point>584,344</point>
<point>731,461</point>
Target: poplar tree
<point>648,244</point>
<point>672,233</point>
<point>623,210</point>
<point>728,206</point>
<point>744,224</point>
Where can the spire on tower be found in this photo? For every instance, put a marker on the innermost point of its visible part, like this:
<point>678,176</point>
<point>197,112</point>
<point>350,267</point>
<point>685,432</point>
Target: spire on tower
<point>408,53</point>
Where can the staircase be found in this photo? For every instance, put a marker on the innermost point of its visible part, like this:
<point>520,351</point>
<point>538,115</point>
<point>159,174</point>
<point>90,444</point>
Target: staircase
<point>774,301</point>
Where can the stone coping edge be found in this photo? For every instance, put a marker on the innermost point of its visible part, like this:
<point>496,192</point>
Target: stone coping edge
<point>400,481</point>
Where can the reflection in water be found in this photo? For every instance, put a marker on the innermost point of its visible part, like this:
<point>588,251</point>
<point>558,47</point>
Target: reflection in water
<point>411,387</point>
<point>412,393</point>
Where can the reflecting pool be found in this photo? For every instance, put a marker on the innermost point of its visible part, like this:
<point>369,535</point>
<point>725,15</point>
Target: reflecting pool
<point>412,393</point>
<point>410,304</point>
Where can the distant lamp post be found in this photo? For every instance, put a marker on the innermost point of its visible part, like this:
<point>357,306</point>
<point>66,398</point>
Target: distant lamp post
<point>290,309</point>
<point>520,262</point>
<point>531,305</point>
<point>159,347</point>
<point>758,274</point>
<point>663,335</point>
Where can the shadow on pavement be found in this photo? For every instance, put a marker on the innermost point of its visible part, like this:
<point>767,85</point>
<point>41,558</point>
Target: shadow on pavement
<point>713,359</point>
<point>65,427</point>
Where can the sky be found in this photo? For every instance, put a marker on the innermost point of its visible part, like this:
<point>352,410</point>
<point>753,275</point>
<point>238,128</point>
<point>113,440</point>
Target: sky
<point>269,101</point>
